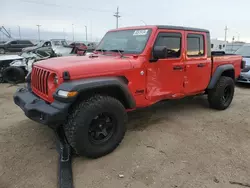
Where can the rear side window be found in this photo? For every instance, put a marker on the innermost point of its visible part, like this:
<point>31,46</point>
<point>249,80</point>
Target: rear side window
<point>173,43</point>
<point>195,45</point>
<point>24,42</point>
<point>13,42</point>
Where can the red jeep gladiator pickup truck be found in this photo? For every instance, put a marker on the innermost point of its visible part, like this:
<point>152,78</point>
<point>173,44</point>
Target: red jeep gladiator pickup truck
<point>134,67</point>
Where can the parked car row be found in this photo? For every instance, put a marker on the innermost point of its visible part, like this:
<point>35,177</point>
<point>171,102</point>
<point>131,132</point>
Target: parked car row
<point>27,45</point>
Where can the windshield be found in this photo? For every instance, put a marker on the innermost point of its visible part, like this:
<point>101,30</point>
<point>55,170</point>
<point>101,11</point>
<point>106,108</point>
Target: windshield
<point>7,42</point>
<point>231,48</point>
<point>244,51</point>
<point>59,43</point>
<point>127,41</point>
<point>40,43</point>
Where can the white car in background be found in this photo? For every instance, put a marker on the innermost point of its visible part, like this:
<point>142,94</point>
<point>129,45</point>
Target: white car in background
<point>244,51</point>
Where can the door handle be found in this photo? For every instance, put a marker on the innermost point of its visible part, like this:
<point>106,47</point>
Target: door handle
<point>200,65</point>
<point>178,68</point>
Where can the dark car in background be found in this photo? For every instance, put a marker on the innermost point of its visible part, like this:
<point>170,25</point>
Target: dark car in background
<point>14,46</point>
<point>79,46</point>
<point>91,46</point>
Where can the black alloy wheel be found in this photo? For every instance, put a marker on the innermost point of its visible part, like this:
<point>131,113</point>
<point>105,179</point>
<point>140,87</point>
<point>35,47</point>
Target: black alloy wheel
<point>102,128</point>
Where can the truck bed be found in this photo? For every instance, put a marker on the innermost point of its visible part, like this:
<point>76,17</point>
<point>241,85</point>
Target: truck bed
<point>221,58</point>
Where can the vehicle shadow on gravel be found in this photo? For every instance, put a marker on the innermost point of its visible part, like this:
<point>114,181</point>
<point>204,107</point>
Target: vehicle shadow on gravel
<point>142,118</point>
<point>243,85</point>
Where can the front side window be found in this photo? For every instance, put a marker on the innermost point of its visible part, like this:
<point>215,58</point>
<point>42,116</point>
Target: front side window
<point>172,41</point>
<point>128,41</point>
<point>195,45</point>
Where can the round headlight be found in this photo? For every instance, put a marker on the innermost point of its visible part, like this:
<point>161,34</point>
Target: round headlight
<point>55,80</point>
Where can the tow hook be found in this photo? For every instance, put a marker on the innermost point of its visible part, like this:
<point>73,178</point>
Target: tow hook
<point>65,178</point>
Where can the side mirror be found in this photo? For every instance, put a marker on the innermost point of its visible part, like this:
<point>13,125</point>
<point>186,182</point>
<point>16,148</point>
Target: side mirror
<point>159,52</point>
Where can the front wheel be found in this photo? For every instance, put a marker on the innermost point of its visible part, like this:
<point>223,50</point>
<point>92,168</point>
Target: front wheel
<point>221,96</point>
<point>96,126</point>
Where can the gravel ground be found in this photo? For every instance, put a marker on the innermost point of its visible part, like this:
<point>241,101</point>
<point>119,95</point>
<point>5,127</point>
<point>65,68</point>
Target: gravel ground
<point>173,144</point>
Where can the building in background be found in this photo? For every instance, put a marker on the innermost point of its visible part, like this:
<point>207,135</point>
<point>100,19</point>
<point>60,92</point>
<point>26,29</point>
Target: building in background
<point>228,47</point>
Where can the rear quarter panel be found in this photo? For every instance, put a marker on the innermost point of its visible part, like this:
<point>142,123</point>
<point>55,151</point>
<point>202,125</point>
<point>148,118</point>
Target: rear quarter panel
<point>235,60</point>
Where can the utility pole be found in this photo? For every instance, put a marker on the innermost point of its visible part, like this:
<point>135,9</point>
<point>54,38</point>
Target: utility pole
<point>117,17</point>
<point>63,34</point>
<point>19,29</point>
<point>226,29</point>
<point>38,30</point>
<point>238,36</point>
<point>86,31</point>
<point>73,32</point>
<point>91,31</point>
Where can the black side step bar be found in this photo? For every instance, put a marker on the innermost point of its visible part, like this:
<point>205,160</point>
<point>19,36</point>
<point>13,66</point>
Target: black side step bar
<point>65,178</point>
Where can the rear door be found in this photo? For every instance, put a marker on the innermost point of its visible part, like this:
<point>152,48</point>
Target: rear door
<point>165,76</point>
<point>197,63</point>
<point>13,46</point>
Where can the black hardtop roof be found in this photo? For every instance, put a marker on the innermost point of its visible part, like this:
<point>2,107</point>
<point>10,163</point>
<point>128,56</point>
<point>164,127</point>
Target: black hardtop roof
<point>181,28</point>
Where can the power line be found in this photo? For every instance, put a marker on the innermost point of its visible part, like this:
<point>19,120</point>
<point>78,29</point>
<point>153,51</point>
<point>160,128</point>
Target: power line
<point>65,6</point>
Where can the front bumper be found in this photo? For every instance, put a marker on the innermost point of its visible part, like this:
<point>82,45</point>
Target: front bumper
<point>243,79</point>
<point>39,110</point>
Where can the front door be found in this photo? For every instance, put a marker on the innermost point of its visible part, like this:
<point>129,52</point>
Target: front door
<point>198,64</point>
<point>165,76</point>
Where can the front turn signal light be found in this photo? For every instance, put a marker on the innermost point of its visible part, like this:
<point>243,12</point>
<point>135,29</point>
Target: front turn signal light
<point>67,94</point>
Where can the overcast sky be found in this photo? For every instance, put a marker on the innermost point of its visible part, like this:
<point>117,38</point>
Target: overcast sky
<point>97,15</point>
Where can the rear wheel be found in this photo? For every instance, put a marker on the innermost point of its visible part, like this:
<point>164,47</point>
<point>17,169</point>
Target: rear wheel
<point>222,95</point>
<point>96,126</point>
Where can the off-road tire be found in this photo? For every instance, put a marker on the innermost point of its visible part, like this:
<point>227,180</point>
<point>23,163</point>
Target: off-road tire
<point>78,122</point>
<point>215,95</point>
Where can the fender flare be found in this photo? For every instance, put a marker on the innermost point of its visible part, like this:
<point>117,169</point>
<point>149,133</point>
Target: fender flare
<point>217,74</point>
<point>83,85</point>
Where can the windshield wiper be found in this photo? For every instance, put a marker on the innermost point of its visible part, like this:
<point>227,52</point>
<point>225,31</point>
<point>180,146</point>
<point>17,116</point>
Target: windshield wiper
<point>119,51</point>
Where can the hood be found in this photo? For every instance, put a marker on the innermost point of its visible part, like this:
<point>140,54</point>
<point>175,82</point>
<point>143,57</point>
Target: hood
<point>10,57</point>
<point>29,48</point>
<point>62,51</point>
<point>82,66</point>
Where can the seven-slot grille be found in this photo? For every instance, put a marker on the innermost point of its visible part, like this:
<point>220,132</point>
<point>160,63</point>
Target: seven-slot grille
<point>39,80</point>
